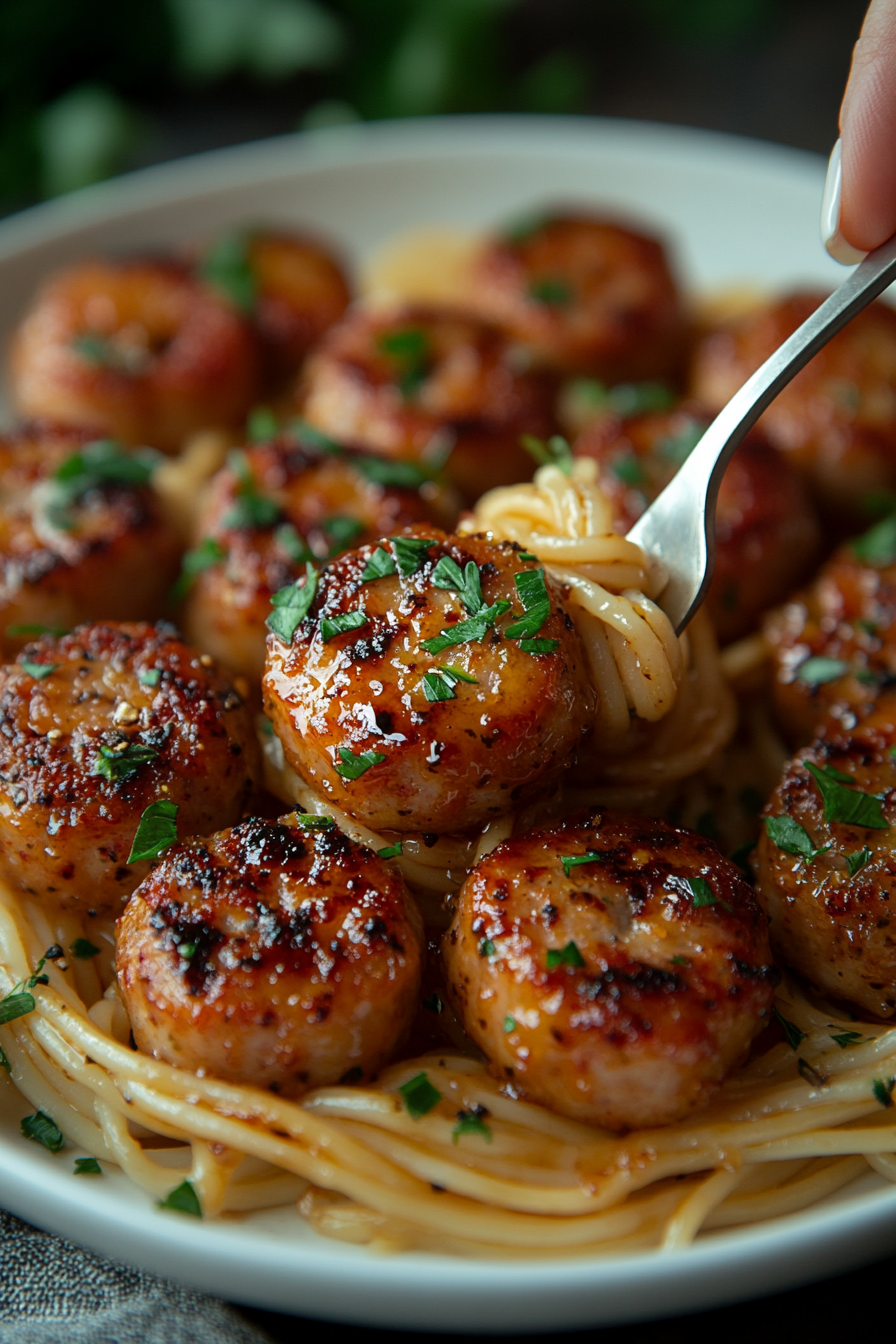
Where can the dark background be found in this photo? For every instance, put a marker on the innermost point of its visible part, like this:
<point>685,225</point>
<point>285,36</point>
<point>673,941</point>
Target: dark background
<point>89,88</point>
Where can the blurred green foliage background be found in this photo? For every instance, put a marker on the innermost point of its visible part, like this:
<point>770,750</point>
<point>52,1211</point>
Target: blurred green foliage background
<point>91,87</point>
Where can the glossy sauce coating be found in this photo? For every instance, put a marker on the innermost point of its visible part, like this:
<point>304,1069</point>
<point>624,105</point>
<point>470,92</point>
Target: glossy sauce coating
<point>423,382</point>
<point>66,829</point>
<point>321,503</point>
<point>273,956</point>
<point>446,765</point>
<point>833,645</point>
<point>838,928</point>
<point>110,552</point>
<point>583,295</point>
<point>767,534</point>
<point>609,995</point>
<point>137,349</point>
<point>837,418</point>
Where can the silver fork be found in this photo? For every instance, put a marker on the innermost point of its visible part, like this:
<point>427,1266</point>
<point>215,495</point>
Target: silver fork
<point>679,526</point>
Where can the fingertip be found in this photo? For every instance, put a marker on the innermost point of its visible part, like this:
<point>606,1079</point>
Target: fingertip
<point>832,238</point>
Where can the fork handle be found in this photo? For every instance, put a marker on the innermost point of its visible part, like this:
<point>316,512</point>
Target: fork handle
<point>679,526</point>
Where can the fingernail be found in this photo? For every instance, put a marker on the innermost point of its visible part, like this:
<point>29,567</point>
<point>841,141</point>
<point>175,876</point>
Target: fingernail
<point>835,244</point>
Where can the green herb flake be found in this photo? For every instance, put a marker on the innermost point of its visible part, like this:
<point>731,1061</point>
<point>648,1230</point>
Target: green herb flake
<point>793,838</point>
<point>289,540</point>
<point>34,631</point>
<point>103,462</point>
<point>87,1166</point>
<point>458,674</point>
<point>627,399</point>
<point>447,574</point>
<point>819,671</point>
<point>856,862</point>
<point>251,508</point>
<point>379,566</point>
<point>679,961</point>
<point>472,631</point>
<point>551,291</point>
<point>186,950</point>
<point>291,605</point>
<point>419,1096</point>
<point>312,439</point>
<point>352,766</point>
<point>526,555</point>
<point>628,469</point>
<point>883,1090</point>
<point>554,452</point>
<point>227,269</point>
<point>564,956</point>
<point>39,671</point>
<point>84,949</point>
<point>407,343</point>
<point>343,531</point>
<point>390,851</point>
<point>539,645</point>
<point>472,1122</point>
<point>486,947</point>
<point>845,1039</point>
<point>115,763</point>
<point>533,593</point>
<point>208,553</point>
<point>703,894</point>
<point>877,546</point>
<point>795,1037</point>
<point>678,447</point>
<point>262,425</point>
<point>183,1199</point>
<point>509,1024</point>
<point>4,1062</point>
<point>571,861</point>
<point>42,1128</point>
<point>156,831</point>
<point>436,687</point>
<point>331,626</point>
<point>151,676</point>
<point>410,553</point>
<point>433,1004</point>
<point>810,1074</point>
<point>15,1005</point>
<point>849,806</point>
<point>312,821</point>
<point>394,475</point>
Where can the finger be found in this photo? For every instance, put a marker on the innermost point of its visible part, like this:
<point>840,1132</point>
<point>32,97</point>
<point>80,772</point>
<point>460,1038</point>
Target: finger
<point>868,133</point>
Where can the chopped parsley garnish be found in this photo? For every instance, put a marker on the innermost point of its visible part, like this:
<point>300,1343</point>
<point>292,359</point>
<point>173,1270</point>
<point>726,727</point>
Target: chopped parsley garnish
<point>551,291</point>
<point>312,821</point>
<point>436,686</point>
<point>15,1005</point>
<point>433,1004</point>
<point>291,605</point>
<point>398,475</point>
<point>448,574</point>
<point>390,851</point>
<point>151,676</point>
<point>638,398</point>
<point>883,1090</point>
<point>811,1075</point>
<point>84,949</point>
<point>471,631</point>
<point>530,585</point>
<point>679,961</point>
<point>4,1062</point>
<point>342,531</point>
<point>331,626</point>
<point>262,425</point>
<point>43,1129</point>
<point>795,1037</point>
<point>850,806</point>
<point>486,947</point>
<point>571,861</point>
<point>251,508</point>
<point>509,1024</point>
<point>419,1096</point>
<point>539,645</point>
<point>628,469</point>
<point>156,831</point>
<point>309,436</point>
<point>564,956</point>
<point>818,671</point>
<point>115,763</point>
<point>410,553</point>
<point>32,631</point>
<point>524,228</point>
<point>856,862</point>
<point>379,566</point>
<point>472,1122</point>
<point>39,671</point>
<point>845,1039</point>
<point>877,546</point>
<point>209,552</point>
<point>18,1002</point>
<point>87,1166</point>
<point>703,894</point>
<point>457,674</point>
<point>186,950</point>
<point>102,462</point>
<point>183,1199</point>
<point>411,352</point>
<point>678,447</point>
<point>352,766</point>
<point>793,838</point>
<point>553,452</point>
<point>226,268</point>
<point>294,545</point>
<point>526,555</point>
<point>95,349</point>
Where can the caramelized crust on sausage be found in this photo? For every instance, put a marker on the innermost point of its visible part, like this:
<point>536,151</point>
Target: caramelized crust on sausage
<point>117,690</point>
<point>321,503</point>
<point>767,534</point>
<point>137,349</point>
<point>838,928</point>
<point>423,382</point>
<point>442,765</point>
<point>108,553</point>
<point>616,992</point>
<point>837,418</point>
<point>583,295</point>
<point>271,955</point>
<point>301,291</point>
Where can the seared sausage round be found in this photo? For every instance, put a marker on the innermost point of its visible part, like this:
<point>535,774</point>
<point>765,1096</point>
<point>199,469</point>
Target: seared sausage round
<point>436,739</point>
<point>95,727</point>
<point>271,955</point>
<point>613,969</point>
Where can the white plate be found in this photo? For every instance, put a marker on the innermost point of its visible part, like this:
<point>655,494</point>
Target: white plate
<point>735,212</point>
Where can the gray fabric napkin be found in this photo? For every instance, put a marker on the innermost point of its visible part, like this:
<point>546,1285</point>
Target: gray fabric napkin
<point>52,1292</point>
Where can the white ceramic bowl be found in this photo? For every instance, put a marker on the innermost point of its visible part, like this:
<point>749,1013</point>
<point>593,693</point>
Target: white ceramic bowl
<point>734,212</point>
